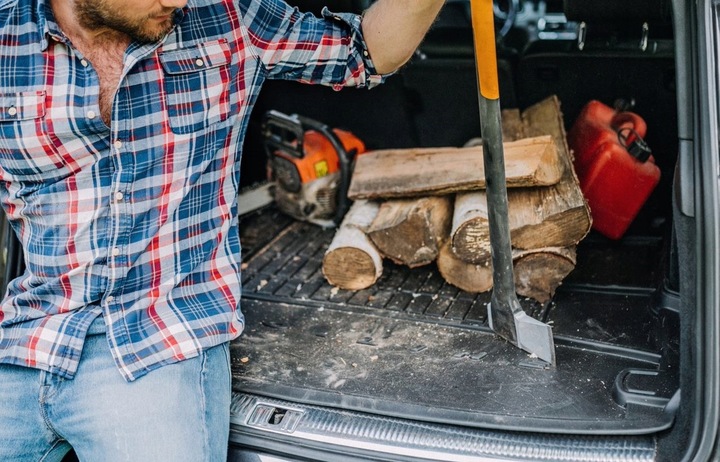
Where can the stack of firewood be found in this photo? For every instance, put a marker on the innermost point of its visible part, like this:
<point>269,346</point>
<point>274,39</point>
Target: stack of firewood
<point>419,206</point>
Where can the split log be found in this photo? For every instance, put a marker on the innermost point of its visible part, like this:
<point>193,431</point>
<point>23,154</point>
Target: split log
<point>352,261</point>
<point>411,231</point>
<point>552,216</point>
<point>558,215</point>
<point>394,173</point>
<point>539,272</point>
<point>513,127</point>
<point>470,277</point>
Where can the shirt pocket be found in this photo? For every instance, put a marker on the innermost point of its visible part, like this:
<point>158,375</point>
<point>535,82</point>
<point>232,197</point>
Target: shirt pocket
<point>196,85</point>
<point>27,152</point>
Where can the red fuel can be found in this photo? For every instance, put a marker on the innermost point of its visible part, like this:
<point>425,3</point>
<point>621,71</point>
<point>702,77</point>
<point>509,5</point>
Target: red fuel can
<point>616,169</point>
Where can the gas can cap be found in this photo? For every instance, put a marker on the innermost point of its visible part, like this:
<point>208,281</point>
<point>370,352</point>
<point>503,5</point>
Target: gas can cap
<point>635,145</point>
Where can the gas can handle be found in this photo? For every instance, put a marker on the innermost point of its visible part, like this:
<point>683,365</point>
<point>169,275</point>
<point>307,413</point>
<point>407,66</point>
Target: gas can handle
<point>626,119</point>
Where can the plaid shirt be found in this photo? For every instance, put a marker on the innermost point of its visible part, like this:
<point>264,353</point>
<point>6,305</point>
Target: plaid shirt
<point>137,222</point>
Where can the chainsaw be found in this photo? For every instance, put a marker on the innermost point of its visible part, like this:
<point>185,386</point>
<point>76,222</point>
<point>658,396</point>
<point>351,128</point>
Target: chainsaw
<point>309,166</point>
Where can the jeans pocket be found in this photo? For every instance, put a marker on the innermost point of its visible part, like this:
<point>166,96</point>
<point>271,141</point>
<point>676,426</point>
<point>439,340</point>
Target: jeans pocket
<point>196,85</point>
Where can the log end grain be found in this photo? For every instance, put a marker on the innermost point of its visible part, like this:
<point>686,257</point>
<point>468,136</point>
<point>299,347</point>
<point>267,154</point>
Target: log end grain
<point>551,166</point>
<point>471,241</point>
<point>350,268</point>
<point>532,162</point>
<point>410,232</point>
<point>351,261</point>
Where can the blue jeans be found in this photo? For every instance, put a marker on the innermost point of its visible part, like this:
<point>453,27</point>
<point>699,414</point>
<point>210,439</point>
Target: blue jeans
<point>179,412</point>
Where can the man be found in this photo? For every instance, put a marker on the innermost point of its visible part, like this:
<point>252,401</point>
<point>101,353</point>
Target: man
<point>121,123</point>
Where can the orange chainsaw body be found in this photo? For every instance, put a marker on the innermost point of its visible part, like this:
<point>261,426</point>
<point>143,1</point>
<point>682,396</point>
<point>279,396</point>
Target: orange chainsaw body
<point>320,158</point>
<point>311,166</point>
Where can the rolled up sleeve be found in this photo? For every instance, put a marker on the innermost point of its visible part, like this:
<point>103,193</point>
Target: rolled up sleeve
<point>328,50</point>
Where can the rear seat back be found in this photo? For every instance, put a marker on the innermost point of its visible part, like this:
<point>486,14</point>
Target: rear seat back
<point>442,83</point>
<point>618,11</point>
<point>316,6</point>
<point>624,50</point>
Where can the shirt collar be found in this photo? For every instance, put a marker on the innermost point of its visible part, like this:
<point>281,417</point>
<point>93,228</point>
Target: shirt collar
<point>44,16</point>
<point>179,14</point>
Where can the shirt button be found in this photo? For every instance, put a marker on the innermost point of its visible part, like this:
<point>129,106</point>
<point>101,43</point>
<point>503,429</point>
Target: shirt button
<point>115,251</point>
<point>91,115</point>
<point>117,144</point>
<point>119,196</point>
<point>199,62</point>
<point>12,111</point>
<point>83,62</point>
<point>109,298</point>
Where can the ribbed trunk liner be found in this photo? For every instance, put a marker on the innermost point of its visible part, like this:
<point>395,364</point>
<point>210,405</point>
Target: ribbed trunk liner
<point>414,346</point>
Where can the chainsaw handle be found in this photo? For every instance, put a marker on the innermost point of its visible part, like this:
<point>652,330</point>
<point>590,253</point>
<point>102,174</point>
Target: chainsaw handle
<point>277,126</point>
<point>283,132</point>
<point>343,204</point>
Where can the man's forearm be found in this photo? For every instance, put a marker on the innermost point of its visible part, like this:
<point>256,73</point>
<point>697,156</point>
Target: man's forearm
<point>393,29</point>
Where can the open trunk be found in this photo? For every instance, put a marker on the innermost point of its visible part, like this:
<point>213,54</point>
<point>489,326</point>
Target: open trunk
<point>409,369</point>
<point>414,346</point>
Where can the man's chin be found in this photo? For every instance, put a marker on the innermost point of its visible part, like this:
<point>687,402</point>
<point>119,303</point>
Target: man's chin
<point>151,34</point>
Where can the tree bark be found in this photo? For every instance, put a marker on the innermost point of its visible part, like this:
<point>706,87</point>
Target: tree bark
<point>470,277</point>
<point>411,231</point>
<point>352,261</point>
<point>539,272</point>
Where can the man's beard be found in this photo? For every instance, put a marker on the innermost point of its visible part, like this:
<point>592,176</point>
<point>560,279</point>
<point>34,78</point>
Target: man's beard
<point>96,14</point>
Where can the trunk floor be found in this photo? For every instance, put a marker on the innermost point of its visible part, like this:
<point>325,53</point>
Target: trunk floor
<point>413,346</point>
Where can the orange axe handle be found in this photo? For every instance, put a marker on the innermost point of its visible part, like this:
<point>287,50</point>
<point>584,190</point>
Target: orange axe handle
<point>484,40</point>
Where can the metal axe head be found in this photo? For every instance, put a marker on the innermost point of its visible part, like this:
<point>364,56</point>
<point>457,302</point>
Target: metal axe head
<point>523,331</point>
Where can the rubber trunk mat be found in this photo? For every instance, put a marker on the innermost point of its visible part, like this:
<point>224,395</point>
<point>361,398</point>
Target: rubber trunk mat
<point>413,346</point>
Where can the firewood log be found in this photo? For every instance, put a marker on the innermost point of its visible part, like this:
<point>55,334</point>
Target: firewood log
<point>415,172</point>
<point>539,272</point>
<point>557,215</point>
<point>352,261</point>
<point>470,277</point>
<point>411,231</point>
<point>551,216</point>
<point>470,233</point>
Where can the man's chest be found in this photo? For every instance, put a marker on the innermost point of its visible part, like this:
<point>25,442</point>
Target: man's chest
<point>67,106</point>
<point>107,62</point>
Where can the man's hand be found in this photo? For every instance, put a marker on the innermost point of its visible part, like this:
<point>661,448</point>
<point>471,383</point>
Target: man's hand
<point>393,29</point>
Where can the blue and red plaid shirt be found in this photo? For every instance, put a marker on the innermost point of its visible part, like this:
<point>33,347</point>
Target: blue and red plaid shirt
<point>137,221</point>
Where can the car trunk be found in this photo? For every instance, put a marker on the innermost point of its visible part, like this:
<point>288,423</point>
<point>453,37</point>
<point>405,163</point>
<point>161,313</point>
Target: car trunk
<point>413,347</point>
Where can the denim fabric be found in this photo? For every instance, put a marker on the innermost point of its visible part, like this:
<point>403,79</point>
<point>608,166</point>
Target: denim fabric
<point>179,412</point>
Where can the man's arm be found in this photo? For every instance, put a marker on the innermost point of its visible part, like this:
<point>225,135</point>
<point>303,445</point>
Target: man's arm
<point>393,29</point>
